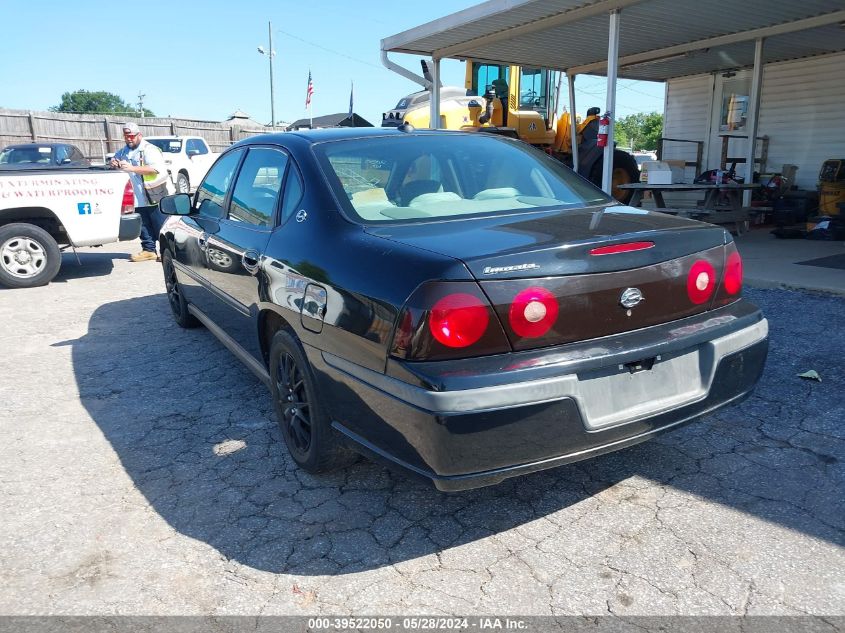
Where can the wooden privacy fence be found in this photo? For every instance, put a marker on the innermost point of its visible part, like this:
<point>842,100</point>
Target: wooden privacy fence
<point>98,135</point>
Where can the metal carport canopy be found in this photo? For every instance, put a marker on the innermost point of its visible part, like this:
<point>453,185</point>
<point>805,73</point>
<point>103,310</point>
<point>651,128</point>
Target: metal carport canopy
<point>636,39</point>
<point>658,39</point>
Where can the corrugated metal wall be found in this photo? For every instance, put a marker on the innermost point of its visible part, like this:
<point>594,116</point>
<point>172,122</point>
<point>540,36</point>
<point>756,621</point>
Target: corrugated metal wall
<point>801,112</point>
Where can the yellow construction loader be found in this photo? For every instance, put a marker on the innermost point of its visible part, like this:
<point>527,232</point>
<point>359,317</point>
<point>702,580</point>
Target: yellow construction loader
<point>518,102</point>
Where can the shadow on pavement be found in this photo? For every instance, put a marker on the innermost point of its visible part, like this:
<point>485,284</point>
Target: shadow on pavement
<point>97,264</point>
<point>195,431</point>
<point>89,265</point>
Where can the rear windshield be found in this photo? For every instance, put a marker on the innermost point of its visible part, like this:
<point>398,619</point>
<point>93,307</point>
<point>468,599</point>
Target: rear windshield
<point>167,145</point>
<point>18,155</point>
<point>439,176</point>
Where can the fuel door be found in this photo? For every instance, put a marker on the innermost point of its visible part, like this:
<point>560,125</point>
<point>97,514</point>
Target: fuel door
<point>313,308</point>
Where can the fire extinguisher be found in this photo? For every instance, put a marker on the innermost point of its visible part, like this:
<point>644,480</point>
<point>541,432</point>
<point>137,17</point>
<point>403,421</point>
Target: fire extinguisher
<point>604,130</point>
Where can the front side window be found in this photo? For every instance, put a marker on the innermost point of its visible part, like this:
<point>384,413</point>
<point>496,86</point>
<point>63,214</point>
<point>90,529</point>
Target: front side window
<point>211,194</point>
<point>257,190</point>
<point>195,145</point>
<point>534,86</point>
<point>447,175</point>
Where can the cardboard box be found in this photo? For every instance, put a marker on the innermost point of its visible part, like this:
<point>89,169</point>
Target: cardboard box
<point>678,168</point>
<point>656,172</point>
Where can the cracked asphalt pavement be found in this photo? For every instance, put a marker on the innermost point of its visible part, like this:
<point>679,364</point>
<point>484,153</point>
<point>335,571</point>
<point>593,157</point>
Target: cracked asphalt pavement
<point>142,472</point>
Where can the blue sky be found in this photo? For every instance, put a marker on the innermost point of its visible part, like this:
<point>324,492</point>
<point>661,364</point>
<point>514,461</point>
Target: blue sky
<point>199,59</point>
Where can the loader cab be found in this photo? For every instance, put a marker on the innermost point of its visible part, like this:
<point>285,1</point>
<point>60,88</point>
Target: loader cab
<point>527,105</point>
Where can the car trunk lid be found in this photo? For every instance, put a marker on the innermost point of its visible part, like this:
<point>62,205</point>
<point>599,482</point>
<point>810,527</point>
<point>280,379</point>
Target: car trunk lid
<point>561,260</point>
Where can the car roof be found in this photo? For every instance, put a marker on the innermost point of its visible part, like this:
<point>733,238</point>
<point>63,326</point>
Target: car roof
<point>339,133</point>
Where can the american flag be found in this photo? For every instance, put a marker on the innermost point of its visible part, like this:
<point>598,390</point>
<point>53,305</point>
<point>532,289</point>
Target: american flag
<point>309,91</point>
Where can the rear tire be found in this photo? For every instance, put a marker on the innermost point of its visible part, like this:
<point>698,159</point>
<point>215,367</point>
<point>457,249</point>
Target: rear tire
<point>625,171</point>
<point>29,256</point>
<point>304,424</point>
<point>183,183</point>
<point>178,304</point>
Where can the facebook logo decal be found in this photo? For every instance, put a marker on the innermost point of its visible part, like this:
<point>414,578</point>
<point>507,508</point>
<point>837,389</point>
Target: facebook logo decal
<point>84,208</point>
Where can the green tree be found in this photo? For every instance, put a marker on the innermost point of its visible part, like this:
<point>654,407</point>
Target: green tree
<point>96,101</point>
<point>639,131</point>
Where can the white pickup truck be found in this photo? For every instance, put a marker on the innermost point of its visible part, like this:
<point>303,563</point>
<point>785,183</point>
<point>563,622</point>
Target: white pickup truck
<point>41,209</point>
<point>188,158</point>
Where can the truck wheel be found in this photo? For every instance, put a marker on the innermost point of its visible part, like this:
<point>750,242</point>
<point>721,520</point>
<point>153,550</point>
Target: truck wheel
<point>183,184</point>
<point>29,256</point>
<point>178,304</point>
<point>305,426</point>
<point>625,171</point>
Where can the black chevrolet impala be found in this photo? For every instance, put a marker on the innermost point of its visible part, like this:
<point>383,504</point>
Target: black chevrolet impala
<point>459,305</point>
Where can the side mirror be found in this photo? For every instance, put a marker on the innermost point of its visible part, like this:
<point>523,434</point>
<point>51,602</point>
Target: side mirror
<point>193,152</point>
<point>177,204</point>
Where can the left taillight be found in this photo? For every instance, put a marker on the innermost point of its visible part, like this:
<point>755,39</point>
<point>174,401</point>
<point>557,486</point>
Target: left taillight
<point>128,205</point>
<point>446,320</point>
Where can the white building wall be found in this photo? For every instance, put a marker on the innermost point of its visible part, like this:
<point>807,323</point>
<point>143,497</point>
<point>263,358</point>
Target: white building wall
<point>802,112</point>
<point>688,112</point>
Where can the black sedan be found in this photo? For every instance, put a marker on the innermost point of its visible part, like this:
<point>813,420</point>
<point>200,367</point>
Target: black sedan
<point>457,304</point>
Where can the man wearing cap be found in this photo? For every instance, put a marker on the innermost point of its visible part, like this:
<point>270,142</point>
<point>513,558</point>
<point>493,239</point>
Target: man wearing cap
<point>149,178</point>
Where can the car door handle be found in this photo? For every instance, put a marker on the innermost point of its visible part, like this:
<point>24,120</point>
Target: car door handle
<point>250,261</point>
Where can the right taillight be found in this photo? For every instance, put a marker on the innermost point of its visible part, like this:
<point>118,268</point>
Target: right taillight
<point>733,273</point>
<point>128,205</point>
<point>731,286</point>
<point>446,320</point>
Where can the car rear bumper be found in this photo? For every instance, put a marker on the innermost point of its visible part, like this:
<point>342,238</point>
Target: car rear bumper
<point>130,227</point>
<point>474,422</point>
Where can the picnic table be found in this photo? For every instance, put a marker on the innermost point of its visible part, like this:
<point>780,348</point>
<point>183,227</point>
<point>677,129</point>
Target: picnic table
<point>710,211</point>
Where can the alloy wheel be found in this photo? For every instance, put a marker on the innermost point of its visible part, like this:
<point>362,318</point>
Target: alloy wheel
<point>172,287</point>
<point>293,401</point>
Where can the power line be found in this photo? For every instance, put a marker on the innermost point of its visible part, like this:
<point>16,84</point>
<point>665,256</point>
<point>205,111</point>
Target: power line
<point>329,50</point>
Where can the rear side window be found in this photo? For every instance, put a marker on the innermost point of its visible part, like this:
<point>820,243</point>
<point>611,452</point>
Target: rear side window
<point>211,194</point>
<point>257,189</point>
<point>293,193</point>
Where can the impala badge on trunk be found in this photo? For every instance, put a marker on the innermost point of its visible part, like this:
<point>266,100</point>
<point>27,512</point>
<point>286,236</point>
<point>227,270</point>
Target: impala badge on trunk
<point>631,297</point>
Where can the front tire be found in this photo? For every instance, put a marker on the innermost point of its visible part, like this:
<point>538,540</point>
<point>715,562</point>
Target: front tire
<point>304,424</point>
<point>625,171</point>
<point>29,256</point>
<point>178,304</point>
<point>183,183</point>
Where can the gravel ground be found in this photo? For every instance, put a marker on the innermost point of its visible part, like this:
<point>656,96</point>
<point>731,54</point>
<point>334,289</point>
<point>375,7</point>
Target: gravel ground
<point>142,473</point>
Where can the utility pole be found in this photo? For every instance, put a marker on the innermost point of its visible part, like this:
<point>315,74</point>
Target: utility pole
<point>270,54</point>
<point>272,100</point>
<point>141,104</point>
